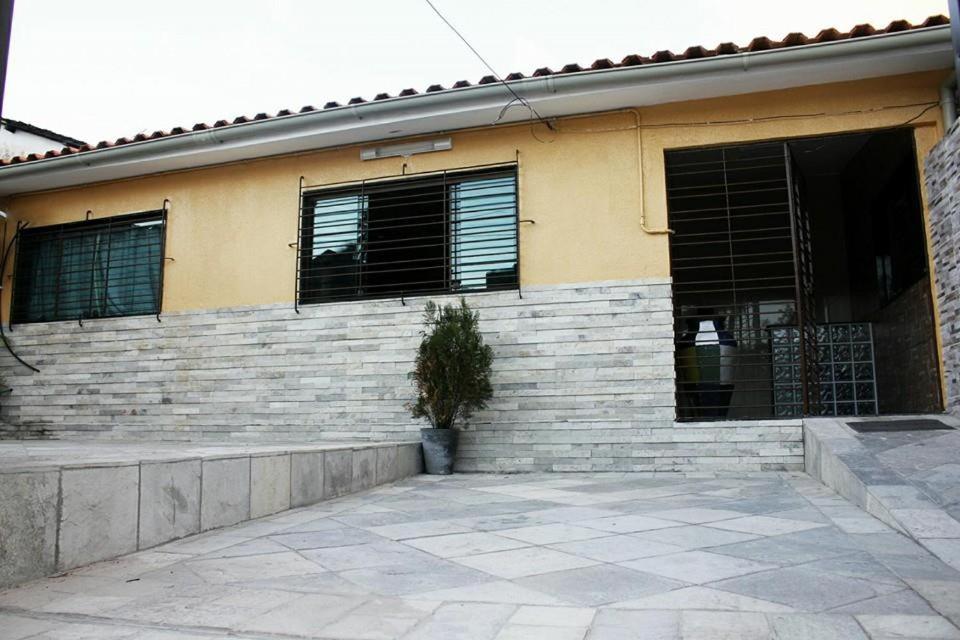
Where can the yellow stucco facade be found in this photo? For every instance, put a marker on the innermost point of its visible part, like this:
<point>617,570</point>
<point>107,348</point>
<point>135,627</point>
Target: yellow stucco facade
<point>230,226</point>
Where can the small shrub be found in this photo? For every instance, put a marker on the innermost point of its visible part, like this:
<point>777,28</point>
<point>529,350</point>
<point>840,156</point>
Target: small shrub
<point>452,369</point>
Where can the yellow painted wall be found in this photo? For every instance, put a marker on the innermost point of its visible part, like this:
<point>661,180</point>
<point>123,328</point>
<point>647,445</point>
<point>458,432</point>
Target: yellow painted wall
<point>230,226</point>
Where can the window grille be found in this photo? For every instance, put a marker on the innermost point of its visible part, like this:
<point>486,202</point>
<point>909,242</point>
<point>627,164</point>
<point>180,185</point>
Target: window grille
<point>448,232</point>
<point>93,269</point>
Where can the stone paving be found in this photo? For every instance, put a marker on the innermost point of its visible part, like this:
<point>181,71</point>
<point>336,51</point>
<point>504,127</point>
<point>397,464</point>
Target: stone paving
<point>908,479</point>
<point>528,557</point>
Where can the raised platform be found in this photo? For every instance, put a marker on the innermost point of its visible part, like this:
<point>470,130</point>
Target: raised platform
<point>64,504</point>
<point>908,479</point>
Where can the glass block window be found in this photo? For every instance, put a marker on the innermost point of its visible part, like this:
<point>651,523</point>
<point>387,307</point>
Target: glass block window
<point>845,367</point>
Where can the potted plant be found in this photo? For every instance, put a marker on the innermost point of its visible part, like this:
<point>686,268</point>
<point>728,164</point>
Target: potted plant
<point>452,379</point>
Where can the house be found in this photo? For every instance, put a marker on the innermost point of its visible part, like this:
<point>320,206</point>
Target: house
<point>21,138</point>
<point>675,258</point>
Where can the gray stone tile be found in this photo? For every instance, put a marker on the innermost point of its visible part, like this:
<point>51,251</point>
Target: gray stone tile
<point>464,544</point>
<point>409,530</point>
<point>765,525</point>
<point>803,589</point>
<point>857,565</point>
<point>269,485</point>
<point>169,501</point>
<point>571,514</point>
<point>628,523</point>
<point>697,515</point>
<point>463,621</point>
<point>695,536</point>
<point>779,551</point>
<point>616,548</point>
<point>947,550</point>
<point>328,583</point>
<point>325,571</point>
<point>597,585</point>
<point>724,625</point>
<point>551,533</point>
<point>701,598</point>
<point>409,460</point>
<point>697,567</point>
<point>914,627</point>
<point>247,568</point>
<point>611,624</point>
<point>28,520</point>
<point>18,627</point>
<point>497,591</point>
<point>98,515</point>
<point>386,469</point>
<point>304,616</point>
<point>816,627</point>
<point>523,562</point>
<point>340,537</point>
<point>364,469</point>
<point>412,578</point>
<point>529,632</point>
<point>225,492</point>
<point>255,547</point>
<point>503,521</point>
<point>577,617</point>
<point>902,602</point>
<point>306,478</point>
<point>337,473</point>
<point>927,523</point>
<point>361,556</point>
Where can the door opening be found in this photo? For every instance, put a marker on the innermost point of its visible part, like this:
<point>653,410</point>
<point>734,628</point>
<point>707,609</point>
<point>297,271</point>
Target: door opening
<point>800,279</point>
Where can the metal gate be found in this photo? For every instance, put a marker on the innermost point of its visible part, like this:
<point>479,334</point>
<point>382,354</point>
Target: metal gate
<point>807,352</point>
<point>742,279</point>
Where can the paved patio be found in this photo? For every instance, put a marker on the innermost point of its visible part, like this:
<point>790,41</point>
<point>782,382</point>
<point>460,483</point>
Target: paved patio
<point>556,557</point>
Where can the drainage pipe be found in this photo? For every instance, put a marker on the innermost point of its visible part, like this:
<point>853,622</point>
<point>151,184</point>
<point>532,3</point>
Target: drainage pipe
<point>948,101</point>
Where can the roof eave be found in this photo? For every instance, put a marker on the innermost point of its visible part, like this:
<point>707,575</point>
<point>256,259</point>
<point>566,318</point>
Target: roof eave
<point>553,96</point>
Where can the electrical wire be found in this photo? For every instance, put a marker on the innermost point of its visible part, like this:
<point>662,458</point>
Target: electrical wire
<point>516,96</point>
<point>787,116</point>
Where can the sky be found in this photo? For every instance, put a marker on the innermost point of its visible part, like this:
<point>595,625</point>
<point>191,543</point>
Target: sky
<point>102,69</point>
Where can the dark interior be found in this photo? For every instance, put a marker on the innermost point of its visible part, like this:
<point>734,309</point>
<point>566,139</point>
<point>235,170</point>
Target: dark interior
<point>748,220</point>
<point>406,231</point>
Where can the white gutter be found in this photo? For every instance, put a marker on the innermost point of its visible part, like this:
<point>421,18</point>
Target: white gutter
<point>566,94</point>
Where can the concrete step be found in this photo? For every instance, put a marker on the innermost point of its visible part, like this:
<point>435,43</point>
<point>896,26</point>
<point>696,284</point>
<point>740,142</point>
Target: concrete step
<point>65,504</point>
<point>837,457</point>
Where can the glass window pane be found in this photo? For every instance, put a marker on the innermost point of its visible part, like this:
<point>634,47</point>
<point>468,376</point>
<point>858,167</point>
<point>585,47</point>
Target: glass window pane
<point>484,251</point>
<point>88,270</point>
<point>330,264</point>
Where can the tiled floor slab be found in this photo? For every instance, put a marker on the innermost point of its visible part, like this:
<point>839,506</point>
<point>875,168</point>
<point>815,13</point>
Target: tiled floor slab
<point>487,557</point>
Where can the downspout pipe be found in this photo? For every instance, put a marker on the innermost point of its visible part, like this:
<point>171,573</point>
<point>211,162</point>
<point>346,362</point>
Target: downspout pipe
<point>948,101</point>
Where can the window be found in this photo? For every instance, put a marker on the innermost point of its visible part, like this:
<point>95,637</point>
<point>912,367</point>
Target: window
<point>452,232</point>
<point>94,269</point>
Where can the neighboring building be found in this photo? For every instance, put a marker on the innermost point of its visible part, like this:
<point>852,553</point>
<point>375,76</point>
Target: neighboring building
<point>264,277</point>
<point>21,138</point>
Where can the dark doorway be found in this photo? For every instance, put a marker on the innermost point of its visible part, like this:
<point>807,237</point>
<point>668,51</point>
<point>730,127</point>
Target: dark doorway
<point>800,279</point>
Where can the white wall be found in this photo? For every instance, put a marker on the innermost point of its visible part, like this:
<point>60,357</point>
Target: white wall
<point>21,142</point>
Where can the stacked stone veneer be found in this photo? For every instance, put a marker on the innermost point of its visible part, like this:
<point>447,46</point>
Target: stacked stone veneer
<point>943,193</point>
<point>583,380</point>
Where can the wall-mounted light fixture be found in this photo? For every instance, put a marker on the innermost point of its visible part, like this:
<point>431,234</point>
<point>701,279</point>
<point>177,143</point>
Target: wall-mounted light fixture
<point>406,150</point>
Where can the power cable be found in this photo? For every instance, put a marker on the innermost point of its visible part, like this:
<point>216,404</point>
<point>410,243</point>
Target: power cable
<point>496,75</point>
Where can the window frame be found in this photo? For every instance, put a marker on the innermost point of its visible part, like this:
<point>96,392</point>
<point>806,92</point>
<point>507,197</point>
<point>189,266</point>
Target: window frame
<point>79,229</point>
<point>362,190</point>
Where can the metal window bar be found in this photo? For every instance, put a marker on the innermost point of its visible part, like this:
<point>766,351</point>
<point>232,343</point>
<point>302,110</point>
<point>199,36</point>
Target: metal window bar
<point>442,232</point>
<point>732,261</point>
<point>70,272</point>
